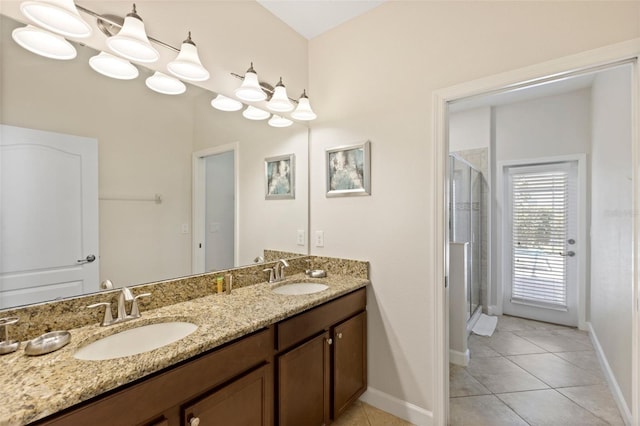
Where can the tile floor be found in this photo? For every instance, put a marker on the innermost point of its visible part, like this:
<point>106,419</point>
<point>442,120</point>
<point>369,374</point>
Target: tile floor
<point>361,414</point>
<point>531,373</point>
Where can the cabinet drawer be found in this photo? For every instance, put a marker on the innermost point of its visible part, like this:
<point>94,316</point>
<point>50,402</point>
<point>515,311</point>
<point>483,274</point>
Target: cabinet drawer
<point>143,401</point>
<point>307,324</point>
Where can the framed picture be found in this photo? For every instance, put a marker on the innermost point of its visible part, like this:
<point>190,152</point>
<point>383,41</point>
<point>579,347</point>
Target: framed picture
<point>279,177</point>
<point>349,170</point>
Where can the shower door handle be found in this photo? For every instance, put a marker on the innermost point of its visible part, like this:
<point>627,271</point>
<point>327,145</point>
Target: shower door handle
<point>569,253</point>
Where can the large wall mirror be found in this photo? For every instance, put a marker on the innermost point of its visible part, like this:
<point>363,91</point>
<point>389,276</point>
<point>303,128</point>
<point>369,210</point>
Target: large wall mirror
<point>147,147</point>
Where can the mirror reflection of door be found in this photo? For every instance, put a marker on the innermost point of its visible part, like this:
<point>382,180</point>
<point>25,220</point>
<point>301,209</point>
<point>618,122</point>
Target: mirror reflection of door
<point>49,216</point>
<point>219,211</point>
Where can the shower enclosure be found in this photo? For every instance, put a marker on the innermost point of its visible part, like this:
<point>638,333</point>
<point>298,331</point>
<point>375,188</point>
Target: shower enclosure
<point>465,226</point>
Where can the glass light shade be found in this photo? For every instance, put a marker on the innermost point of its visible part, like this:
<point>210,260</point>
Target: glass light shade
<point>250,89</point>
<point>44,43</point>
<point>59,16</point>
<point>253,113</point>
<point>303,110</point>
<point>131,42</point>
<point>113,66</point>
<point>165,84</point>
<point>277,121</point>
<point>187,64</point>
<point>280,101</point>
<point>224,103</point>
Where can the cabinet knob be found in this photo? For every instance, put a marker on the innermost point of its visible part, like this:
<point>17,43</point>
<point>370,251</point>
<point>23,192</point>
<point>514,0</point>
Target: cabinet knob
<point>194,421</point>
<point>339,335</point>
<point>330,341</point>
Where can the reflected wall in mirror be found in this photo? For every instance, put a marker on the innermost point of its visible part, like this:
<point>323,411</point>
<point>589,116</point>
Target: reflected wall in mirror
<point>145,146</point>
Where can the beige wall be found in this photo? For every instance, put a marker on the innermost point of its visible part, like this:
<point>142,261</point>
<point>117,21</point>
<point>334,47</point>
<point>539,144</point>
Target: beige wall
<point>373,78</point>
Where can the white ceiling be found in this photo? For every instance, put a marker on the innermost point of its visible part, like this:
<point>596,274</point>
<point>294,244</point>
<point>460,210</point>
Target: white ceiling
<point>310,18</point>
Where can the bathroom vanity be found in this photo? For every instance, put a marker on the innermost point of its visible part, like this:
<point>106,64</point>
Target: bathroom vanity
<point>257,358</point>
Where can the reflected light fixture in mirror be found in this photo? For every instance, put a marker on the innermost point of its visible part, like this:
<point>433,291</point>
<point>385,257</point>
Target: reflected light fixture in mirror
<point>59,16</point>
<point>131,42</point>
<point>253,113</point>
<point>44,43</point>
<point>303,110</point>
<point>250,89</point>
<point>187,64</point>
<point>224,103</point>
<point>165,84</point>
<point>278,121</point>
<point>280,101</point>
<point>113,66</point>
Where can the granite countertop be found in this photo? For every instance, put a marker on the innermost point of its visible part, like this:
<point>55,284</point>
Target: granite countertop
<point>34,387</point>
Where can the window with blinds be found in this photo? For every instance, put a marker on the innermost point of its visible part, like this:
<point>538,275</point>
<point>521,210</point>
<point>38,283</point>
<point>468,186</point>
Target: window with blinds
<point>540,209</point>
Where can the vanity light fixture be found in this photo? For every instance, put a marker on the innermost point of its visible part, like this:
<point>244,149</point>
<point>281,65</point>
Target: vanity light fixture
<point>224,103</point>
<point>59,16</point>
<point>253,113</point>
<point>303,110</point>
<point>131,42</point>
<point>113,66</point>
<point>187,64</point>
<point>250,89</point>
<point>278,121</point>
<point>165,84</point>
<point>44,43</point>
<point>280,101</point>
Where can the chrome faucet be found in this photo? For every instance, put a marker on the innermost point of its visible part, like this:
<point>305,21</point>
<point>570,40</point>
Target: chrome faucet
<point>124,297</point>
<point>277,272</point>
<point>279,269</point>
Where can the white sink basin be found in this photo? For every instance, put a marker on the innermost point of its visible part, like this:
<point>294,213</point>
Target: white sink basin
<point>135,341</point>
<point>295,289</point>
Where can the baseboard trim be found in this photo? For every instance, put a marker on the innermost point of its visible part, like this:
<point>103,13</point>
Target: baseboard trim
<point>493,310</point>
<point>459,358</point>
<point>611,379</point>
<point>399,408</point>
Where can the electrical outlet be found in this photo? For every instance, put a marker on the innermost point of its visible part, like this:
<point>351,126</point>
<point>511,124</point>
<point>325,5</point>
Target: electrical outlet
<point>300,237</point>
<point>185,228</point>
<point>319,238</point>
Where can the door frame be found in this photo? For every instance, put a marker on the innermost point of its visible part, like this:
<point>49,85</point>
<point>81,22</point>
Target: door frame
<point>591,60</point>
<point>199,204</point>
<point>581,226</point>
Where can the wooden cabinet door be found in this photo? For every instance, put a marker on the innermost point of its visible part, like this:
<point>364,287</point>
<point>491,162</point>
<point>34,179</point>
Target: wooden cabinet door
<point>247,401</point>
<point>349,362</point>
<point>303,384</point>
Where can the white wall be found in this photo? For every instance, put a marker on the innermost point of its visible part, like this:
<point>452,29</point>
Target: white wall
<point>470,129</point>
<point>544,127</point>
<point>611,223</point>
<point>372,78</point>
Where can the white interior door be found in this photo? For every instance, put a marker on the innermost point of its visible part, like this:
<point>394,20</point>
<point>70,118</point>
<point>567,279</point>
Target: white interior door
<point>215,208</point>
<point>48,216</point>
<point>541,245</point>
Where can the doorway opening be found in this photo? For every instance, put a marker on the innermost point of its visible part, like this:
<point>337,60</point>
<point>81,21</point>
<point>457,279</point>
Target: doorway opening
<point>603,204</point>
<point>215,219</point>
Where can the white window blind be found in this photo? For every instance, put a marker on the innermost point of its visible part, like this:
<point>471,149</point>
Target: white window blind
<point>540,209</point>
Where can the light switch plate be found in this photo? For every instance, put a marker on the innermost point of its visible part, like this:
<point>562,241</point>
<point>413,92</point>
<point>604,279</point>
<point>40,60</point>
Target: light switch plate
<point>319,238</point>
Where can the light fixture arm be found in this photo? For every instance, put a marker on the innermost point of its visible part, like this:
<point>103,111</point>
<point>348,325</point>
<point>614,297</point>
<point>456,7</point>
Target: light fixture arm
<point>116,21</point>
